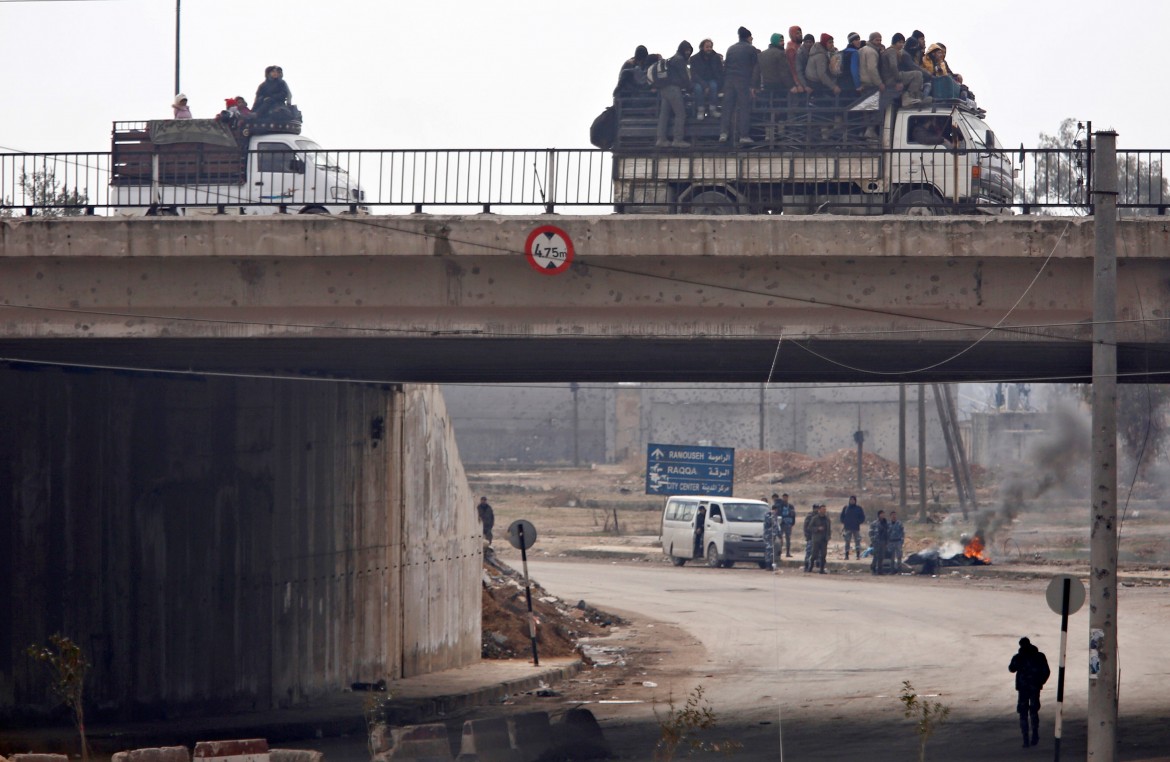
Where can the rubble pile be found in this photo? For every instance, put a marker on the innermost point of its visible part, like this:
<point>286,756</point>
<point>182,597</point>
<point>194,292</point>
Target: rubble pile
<point>505,617</point>
<point>837,468</point>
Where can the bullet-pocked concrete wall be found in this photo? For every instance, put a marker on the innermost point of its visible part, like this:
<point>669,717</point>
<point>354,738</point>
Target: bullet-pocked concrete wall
<point>229,544</point>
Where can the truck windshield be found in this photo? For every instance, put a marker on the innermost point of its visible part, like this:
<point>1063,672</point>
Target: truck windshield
<point>978,132</point>
<point>327,160</point>
<point>740,512</point>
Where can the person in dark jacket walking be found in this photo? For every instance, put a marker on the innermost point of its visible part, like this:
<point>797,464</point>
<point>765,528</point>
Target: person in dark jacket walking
<point>670,98</point>
<point>707,79</point>
<point>852,517</point>
<point>740,70</point>
<point>1031,669</point>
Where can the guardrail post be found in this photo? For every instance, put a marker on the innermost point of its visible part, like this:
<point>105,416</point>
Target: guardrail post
<point>550,174</point>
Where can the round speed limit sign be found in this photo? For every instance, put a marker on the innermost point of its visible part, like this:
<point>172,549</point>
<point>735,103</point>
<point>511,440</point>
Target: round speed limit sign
<point>549,250</point>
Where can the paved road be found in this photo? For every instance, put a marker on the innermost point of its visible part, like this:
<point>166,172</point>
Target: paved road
<point>826,656</point>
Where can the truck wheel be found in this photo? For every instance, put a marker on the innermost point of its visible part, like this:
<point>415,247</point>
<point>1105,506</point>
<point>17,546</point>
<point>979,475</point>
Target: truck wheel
<point>919,203</point>
<point>711,202</point>
<point>314,210</point>
<point>713,559</point>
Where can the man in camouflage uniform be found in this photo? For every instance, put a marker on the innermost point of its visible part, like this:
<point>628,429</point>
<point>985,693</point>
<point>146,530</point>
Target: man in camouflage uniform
<point>770,520</point>
<point>808,538</point>
<point>897,537</point>
<point>819,529</point>
<point>879,538</point>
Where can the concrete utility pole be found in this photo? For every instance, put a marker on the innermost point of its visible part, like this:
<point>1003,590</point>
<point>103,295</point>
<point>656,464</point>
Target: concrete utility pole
<point>1102,731</point>
<point>922,454</point>
<point>902,448</point>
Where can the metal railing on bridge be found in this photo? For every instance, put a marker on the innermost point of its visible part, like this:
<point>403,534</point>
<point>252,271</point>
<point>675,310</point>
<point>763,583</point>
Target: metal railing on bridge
<point>1042,180</point>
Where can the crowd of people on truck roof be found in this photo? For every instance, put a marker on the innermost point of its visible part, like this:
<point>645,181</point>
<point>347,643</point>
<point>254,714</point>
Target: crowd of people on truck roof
<point>272,103</point>
<point>806,69</point>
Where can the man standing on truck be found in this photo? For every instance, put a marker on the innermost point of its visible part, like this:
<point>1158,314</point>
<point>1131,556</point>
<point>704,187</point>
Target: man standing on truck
<point>795,35</point>
<point>775,76</point>
<point>740,71</point>
<point>670,98</point>
<point>818,73</point>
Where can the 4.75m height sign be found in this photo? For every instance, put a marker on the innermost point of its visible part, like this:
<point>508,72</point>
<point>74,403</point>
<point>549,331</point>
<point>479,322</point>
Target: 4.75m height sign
<point>549,250</point>
<point>689,470</point>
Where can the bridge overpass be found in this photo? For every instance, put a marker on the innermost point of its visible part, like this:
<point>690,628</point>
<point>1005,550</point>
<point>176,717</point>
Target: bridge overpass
<point>247,542</point>
<point>421,298</point>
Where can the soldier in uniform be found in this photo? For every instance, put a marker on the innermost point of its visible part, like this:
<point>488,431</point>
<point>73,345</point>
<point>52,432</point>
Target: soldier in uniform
<point>770,519</point>
<point>897,537</point>
<point>787,521</point>
<point>808,538</point>
<point>879,538</point>
<point>819,529</point>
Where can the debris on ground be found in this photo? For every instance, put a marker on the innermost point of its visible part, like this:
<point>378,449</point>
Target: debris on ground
<point>559,625</point>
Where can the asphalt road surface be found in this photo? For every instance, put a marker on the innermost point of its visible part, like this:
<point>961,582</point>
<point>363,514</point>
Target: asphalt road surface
<point>809,667</point>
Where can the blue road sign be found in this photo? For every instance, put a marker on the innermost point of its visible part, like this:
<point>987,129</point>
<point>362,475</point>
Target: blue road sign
<point>689,470</point>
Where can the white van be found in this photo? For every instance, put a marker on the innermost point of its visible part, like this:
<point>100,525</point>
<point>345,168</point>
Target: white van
<point>722,530</point>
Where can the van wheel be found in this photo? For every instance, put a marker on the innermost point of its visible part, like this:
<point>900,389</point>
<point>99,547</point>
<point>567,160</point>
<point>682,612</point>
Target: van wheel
<point>919,203</point>
<point>763,564</point>
<point>713,559</point>
<point>677,561</point>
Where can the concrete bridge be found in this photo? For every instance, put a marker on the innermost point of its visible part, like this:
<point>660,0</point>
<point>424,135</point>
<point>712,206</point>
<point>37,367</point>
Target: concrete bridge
<point>214,539</point>
<point>430,298</point>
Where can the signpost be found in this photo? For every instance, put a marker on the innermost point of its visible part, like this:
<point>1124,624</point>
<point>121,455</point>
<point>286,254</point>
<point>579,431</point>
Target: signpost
<point>1066,595</point>
<point>522,535</point>
<point>549,250</point>
<point>689,470</point>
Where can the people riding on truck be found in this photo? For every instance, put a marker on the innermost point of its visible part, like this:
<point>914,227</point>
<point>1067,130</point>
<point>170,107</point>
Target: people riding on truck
<point>739,72</point>
<point>707,80</point>
<point>670,97</point>
<point>272,95</point>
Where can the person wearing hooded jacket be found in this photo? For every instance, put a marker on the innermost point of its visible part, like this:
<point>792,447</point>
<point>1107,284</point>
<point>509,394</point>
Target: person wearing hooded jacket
<point>272,94</point>
<point>1030,666</point>
<point>670,98</point>
<point>795,38</point>
<point>817,72</point>
<point>740,71</point>
<point>180,107</point>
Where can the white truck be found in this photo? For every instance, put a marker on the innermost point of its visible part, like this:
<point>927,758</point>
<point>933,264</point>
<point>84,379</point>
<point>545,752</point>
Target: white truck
<point>204,166</point>
<point>855,158</point>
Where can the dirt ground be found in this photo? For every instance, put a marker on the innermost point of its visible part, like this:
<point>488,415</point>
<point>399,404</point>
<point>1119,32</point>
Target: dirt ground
<point>601,514</point>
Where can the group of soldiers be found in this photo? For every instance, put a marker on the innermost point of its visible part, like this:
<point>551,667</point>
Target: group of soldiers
<point>886,535</point>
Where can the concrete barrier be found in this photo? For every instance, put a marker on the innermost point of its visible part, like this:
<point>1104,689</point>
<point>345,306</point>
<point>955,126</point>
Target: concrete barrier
<point>417,743</point>
<point>241,750</point>
<point>531,735</point>
<point>487,741</point>
<point>294,755</point>
<point>39,758</point>
<point>580,735</point>
<point>160,754</point>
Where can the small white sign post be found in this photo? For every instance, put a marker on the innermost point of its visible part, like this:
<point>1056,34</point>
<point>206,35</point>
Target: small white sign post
<point>1066,595</point>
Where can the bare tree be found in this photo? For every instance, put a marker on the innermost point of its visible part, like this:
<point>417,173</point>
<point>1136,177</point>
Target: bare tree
<point>46,196</point>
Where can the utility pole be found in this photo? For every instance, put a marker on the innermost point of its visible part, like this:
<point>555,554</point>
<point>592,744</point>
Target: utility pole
<point>177,88</point>
<point>1102,715</point>
<point>902,447</point>
<point>575,387</point>
<point>763,415</point>
<point>859,438</point>
<point>922,454</point>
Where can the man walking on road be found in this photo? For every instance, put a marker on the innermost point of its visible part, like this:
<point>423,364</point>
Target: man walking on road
<point>1031,668</point>
<point>852,517</point>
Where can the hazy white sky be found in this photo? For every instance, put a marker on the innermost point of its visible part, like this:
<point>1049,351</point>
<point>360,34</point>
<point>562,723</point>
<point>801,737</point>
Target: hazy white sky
<point>529,73</point>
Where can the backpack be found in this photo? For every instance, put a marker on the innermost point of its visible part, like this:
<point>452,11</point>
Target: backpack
<point>603,131</point>
<point>657,72</point>
<point>834,64</point>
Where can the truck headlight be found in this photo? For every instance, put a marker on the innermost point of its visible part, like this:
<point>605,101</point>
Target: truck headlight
<point>733,537</point>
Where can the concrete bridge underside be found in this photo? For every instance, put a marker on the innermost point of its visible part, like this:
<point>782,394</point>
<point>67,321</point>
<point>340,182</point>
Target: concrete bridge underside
<point>422,298</point>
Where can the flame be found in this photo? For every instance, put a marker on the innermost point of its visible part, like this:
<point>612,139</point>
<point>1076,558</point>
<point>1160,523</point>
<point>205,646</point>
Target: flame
<point>975,548</point>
